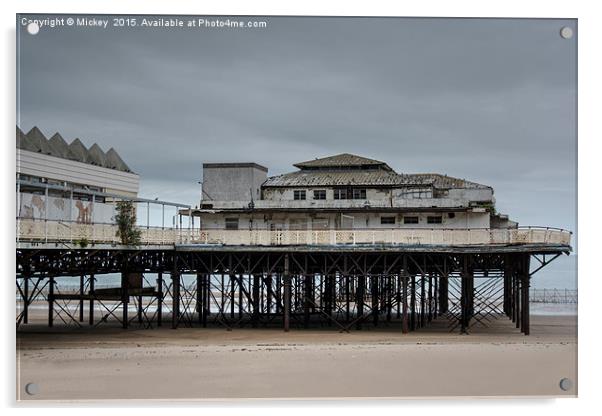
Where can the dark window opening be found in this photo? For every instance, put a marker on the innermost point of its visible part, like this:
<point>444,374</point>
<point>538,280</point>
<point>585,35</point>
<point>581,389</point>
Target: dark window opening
<point>410,220</point>
<point>298,195</point>
<point>438,219</point>
<point>387,220</point>
<point>231,223</point>
<point>359,194</point>
<point>320,194</point>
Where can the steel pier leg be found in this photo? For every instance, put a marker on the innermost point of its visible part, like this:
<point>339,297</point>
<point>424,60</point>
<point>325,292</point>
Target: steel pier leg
<point>81,299</point>
<point>91,305</point>
<point>404,299</point>
<point>25,299</point>
<point>175,291</point>
<point>287,293</point>
<point>160,299</point>
<point>51,302</point>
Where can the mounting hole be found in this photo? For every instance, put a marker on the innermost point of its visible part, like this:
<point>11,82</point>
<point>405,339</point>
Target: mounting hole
<point>32,388</point>
<point>566,384</point>
<point>566,32</point>
<point>33,28</point>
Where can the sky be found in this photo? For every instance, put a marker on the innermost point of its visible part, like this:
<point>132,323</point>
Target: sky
<point>489,100</point>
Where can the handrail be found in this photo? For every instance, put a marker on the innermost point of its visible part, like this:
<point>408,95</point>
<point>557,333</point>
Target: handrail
<point>54,231</point>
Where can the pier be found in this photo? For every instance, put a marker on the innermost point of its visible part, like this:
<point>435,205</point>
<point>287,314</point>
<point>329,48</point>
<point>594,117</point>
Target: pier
<point>345,286</point>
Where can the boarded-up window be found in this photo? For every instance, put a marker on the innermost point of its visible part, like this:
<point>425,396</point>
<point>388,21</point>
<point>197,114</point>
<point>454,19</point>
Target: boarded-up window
<point>231,223</point>
<point>320,194</point>
<point>320,224</point>
<point>434,219</point>
<point>297,224</point>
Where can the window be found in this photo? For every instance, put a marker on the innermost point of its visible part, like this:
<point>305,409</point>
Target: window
<point>320,194</point>
<point>359,194</point>
<point>410,220</point>
<point>231,223</point>
<point>349,193</point>
<point>298,195</point>
<point>435,219</point>
<point>387,220</point>
<point>340,193</point>
<point>416,193</point>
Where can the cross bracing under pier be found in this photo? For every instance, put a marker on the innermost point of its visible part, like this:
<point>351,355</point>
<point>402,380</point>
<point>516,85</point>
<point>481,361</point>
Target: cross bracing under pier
<point>342,288</point>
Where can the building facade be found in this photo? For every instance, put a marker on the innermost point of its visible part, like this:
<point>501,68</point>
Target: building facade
<point>342,192</point>
<point>64,182</point>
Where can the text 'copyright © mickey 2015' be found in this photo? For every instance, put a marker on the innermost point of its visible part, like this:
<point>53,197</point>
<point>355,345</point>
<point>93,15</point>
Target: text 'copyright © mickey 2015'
<point>151,22</point>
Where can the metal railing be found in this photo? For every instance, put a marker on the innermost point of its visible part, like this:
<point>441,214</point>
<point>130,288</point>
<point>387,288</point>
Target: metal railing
<point>553,296</point>
<point>30,230</point>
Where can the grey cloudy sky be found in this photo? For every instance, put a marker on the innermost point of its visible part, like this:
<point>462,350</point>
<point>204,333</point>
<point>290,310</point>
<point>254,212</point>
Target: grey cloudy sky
<point>489,100</point>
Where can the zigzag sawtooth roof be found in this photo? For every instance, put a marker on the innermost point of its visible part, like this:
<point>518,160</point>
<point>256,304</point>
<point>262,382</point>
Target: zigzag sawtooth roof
<point>35,141</point>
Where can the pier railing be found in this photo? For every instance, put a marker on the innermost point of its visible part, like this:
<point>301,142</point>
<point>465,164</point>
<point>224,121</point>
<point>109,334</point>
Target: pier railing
<point>49,231</point>
<point>564,296</point>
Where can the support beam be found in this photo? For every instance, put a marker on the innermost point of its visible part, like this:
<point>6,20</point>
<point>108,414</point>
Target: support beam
<point>466,295</point>
<point>175,294</point>
<point>375,299</point>
<point>81,299</point>
<point>360,293</point>
<point>404,299</point>
<point>255,300</point>
<point>413,303</point>
<point>91,289</point>
<point>422,301</point>
<point>25,299</point>
<point>51,301</point>
<point>206,299</point>
<point>160,299</point>
<point>525,284</point>
<point>125,298</point>
<point>287,293</point>
<point>200,296</point>
<point>307,297</point>
<point>443,292</point>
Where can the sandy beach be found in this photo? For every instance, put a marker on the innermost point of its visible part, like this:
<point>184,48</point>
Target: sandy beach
<point>195,363</point>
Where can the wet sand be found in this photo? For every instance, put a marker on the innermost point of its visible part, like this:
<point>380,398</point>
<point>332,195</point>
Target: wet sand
<point>195,363</point>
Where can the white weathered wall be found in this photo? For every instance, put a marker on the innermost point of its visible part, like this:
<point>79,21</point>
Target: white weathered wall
<point>471,194</point>
<point>46,166</point>
<point>232,184</point>
<point>360,220</point>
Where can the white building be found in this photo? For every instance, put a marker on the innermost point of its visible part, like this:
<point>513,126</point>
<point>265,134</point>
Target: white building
<point>56,180</point>
<point>341,192</point>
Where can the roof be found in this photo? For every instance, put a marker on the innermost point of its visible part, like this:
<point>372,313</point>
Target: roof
<point>235,165</point>
<point>367,178</point>
<point>336,171</point>
<point>343,160</point>
<point>311,178</point>
<point>35,141</point>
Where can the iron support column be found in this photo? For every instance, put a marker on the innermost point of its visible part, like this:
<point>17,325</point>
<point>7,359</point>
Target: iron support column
<point>91,305</point>
<point>51,302</point>
<point>159,299</point>
<point>287,293</point>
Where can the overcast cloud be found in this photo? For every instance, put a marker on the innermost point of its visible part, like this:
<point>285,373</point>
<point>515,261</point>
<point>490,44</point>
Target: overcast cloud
<point>493,101</point>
